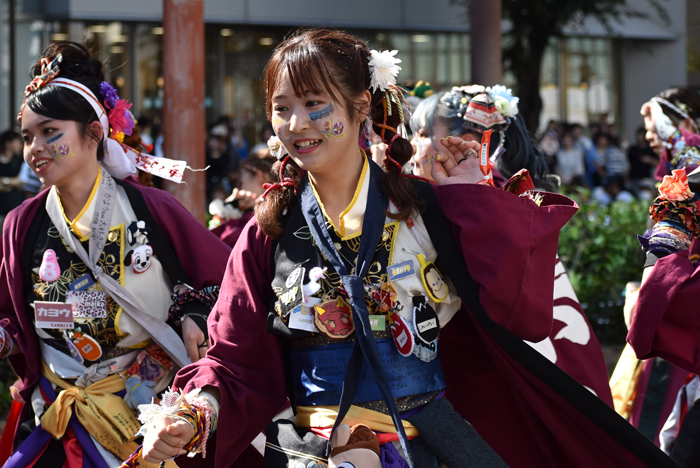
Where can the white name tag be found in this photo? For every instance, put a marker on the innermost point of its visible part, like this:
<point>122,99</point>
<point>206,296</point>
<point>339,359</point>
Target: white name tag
<point>302,316</point>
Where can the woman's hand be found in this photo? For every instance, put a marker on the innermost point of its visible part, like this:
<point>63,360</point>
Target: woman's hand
<point>165,437</point>
<point>194,339</point>
<point>459,164</point>
<point>246,199</point>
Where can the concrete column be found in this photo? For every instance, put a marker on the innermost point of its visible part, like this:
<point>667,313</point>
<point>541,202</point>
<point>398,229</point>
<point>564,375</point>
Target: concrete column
<point>184,126</point>
<point>487,56</point>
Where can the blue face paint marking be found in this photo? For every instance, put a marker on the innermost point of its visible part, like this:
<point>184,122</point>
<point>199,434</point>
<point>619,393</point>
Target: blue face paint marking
<point>322,113</point>
<point>54,138</point>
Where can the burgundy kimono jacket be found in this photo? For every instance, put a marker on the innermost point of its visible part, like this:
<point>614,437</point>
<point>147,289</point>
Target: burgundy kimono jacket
<point>231,230</point>
<point>201,254</point>
<point>510,246</point>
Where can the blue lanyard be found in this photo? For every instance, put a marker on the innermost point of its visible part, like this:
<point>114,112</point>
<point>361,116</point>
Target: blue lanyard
<point>365,348</point>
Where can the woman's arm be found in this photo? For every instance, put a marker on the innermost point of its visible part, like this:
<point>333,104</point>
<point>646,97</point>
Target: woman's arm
<point>509,245</point>
<point>666,322</point>
<point>244,362</point>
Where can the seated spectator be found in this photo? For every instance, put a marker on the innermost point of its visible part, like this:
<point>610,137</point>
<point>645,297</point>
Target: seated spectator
<point>612,190</point>
<point>569,164</point>
<point>611,161</point>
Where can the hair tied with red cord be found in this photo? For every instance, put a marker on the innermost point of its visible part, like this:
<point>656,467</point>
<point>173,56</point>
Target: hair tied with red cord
<point>284,181</point>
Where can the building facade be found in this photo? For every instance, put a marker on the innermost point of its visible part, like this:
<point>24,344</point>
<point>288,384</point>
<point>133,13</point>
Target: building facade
<point>592,71</point>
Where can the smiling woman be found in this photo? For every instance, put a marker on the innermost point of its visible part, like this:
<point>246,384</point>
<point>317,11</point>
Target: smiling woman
<point>346,242</point>
<point>94,282</point>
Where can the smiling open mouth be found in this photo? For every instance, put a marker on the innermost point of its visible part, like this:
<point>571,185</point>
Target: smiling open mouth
<point>42,163</point>
<point>307,144</point>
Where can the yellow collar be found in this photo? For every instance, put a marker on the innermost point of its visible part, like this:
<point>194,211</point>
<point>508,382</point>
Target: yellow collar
<point>352,216</point>
<point>74,224</point>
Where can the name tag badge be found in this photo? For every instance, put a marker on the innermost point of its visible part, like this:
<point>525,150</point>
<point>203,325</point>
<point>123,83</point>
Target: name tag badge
<point>54,315</point>
<point>302,316</point>
<point>401,270</point>
<point>88,304</point>
<point>377,322</point>
<point>81,283</point>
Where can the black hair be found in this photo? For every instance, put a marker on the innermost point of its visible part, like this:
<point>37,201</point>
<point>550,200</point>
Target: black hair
<point>61,103</point>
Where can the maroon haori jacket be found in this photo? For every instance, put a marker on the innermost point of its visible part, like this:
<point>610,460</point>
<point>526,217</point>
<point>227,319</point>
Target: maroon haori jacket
<point>201,254</point>
<point>530,411</point>
<point>666,320</point>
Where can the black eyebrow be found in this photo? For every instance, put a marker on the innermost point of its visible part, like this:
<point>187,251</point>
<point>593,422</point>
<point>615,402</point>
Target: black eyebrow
<point>43,122</point>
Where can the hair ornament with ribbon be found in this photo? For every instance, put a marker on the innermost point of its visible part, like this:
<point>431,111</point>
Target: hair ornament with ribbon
<point>113,113</point>
<point>49,71</point>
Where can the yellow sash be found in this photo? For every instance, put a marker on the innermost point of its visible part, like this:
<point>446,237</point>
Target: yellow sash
<point>324,416</point>
<point>104,415</point>
<point>623,382</point>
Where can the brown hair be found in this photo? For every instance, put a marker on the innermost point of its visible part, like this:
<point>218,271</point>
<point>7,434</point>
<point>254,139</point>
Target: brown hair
<point>335,62</point>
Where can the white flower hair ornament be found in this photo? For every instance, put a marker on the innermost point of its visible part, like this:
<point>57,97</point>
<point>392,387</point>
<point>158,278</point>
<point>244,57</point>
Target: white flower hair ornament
<point>503,99</point>
<point>383,69</point>
<point>276,148</point>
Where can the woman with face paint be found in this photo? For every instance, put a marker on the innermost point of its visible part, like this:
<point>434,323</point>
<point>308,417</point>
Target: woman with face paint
<point>105,285</point>
<point>337,296</point>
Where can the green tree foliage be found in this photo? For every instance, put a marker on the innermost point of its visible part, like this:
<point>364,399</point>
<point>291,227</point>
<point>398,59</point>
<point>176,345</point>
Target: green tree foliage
<point>601,253</point>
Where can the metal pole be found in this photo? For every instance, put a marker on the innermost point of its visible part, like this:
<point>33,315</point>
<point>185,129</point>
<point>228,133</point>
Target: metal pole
<point>487,61</point>
<point>13,64</point>
<point>183,106</point>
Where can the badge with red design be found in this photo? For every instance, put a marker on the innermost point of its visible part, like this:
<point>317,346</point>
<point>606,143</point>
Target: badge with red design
<point>385,296</point>
<point>334,318</point>
<point>403,336</point>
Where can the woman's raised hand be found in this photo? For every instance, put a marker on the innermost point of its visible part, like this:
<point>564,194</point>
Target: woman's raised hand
<point>165,437</point>
<point>459,164</point>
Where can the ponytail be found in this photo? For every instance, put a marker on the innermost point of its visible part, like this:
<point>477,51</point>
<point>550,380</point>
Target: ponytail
<point>278,198</point>
<point>387,115</point>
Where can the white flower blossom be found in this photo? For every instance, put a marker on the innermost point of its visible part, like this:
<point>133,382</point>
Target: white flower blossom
<point>383,69</point>
<point>505,102</point>
<point>276,148</point>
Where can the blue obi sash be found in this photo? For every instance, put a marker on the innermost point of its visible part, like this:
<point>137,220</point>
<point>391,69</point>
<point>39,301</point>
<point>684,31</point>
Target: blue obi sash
<point>319,372</point>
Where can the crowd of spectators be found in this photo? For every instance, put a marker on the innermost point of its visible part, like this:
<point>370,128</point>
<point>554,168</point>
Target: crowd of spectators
<point>597,157</point>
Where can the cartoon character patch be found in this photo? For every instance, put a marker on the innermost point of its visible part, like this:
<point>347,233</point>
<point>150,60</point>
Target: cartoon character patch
<point>49,269</point>
<point>137,233</point>
<point>334,318</point>
<point>140,258</point>
<point>435,284</point>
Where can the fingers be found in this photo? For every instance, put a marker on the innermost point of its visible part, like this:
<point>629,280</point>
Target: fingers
<point>165,439</point>
<point>180,429</point>
<point>438,172</point>
<point>460,149</point>
<point>233,196</point>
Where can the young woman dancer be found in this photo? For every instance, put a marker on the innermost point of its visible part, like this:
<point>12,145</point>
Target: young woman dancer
<point>105,285</point>
<point>337,295</point>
